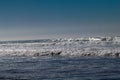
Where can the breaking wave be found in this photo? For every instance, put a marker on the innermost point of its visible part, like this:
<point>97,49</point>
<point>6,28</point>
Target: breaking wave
<point>103,47</point>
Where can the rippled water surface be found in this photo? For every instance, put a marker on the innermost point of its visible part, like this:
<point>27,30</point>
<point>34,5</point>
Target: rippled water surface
<point>59,68</point>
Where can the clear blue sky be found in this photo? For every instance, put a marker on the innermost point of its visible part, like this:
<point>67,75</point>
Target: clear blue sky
<point>34,19</point>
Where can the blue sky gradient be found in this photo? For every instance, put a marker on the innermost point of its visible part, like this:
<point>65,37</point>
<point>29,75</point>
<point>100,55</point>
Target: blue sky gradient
<point>35,19</point>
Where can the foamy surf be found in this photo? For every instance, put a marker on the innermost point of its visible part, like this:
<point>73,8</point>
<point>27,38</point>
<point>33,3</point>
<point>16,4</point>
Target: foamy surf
<point>91,47</point>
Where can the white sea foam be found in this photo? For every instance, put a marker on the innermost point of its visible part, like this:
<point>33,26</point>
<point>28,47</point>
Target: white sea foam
<point>108,46</point>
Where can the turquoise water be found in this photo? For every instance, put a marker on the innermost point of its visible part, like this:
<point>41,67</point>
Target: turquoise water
<point>59,68</point>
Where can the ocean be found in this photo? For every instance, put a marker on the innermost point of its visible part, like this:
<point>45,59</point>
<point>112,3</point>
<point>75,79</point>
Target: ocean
<point>59,59</point>
<point>59,68</point>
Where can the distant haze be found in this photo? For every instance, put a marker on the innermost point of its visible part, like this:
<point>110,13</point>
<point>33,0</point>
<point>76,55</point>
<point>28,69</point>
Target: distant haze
<point>36,19</point>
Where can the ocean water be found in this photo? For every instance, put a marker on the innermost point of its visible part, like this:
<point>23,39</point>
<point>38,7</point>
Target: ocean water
<point>60,59</point>
<point>60,47</point>
<point>59,68</point>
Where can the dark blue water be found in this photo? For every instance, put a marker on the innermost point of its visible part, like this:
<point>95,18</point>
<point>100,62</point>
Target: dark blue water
<point>27,41</point>
<point>59,68</point>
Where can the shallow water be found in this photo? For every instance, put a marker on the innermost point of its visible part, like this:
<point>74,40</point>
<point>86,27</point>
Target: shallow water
<point>59,68</point>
